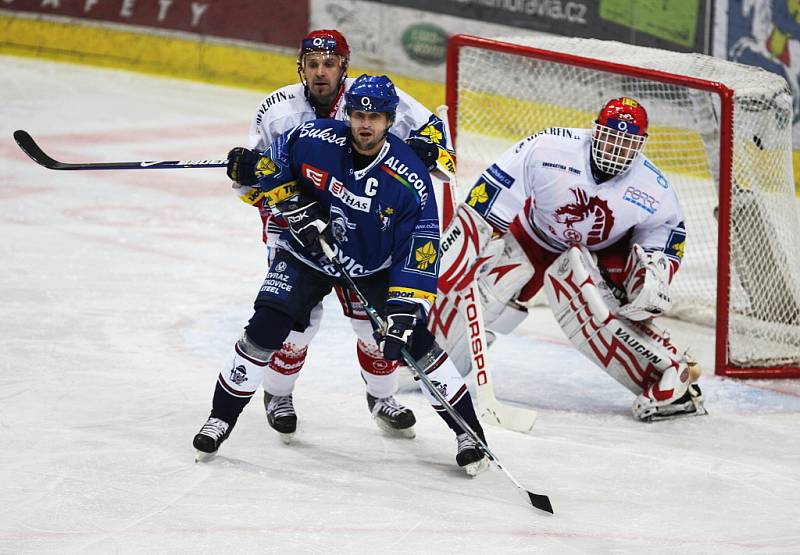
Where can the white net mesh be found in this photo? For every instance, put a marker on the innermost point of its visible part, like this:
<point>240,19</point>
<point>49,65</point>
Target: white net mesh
<point>504,97</point>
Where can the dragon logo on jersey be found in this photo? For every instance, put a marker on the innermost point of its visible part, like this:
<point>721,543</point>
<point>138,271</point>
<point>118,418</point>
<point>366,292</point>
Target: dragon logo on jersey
<point>424,257</point>
<point>588,220</point>
<point>238,374</point>
<point>340,224</point>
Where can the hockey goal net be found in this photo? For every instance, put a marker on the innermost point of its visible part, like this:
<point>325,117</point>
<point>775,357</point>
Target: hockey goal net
<point>720,131</point>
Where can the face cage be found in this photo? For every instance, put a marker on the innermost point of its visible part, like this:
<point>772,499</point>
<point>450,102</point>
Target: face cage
<point>613,151</point>
<point>301,62</point>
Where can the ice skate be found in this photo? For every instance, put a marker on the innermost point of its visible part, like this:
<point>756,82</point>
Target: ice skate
<point>281,415</point>
<point>689,404</point>
<point>391,416</point>
<point>469,456</point>
<point>210,437</point>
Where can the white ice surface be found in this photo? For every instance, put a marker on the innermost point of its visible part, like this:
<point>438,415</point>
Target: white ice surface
<point>122,292</point>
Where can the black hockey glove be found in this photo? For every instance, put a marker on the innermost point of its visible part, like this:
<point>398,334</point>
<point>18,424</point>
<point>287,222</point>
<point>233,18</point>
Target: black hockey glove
<point>307,223</point>
<point>242,166</point>
<point>425,149</point>
<point>400,322</point>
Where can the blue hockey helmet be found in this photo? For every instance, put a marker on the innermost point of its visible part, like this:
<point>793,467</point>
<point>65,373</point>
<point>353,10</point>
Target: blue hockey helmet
<point>372,93</point>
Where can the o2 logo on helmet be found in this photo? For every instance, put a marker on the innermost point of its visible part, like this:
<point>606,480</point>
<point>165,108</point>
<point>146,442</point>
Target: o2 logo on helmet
<point>319,43</point>
<point>366,102</point>
<point>624,126</point>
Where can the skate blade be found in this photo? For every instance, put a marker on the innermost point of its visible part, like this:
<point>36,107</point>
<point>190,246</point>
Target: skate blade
<point>287,438</point>
<point>477,467</point>
<point>699,411</point>
<point>405,432</point>
<point>202,456</point>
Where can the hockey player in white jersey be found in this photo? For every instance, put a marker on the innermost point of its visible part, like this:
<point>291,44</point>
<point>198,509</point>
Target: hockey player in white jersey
<point>322,65</point>
<point>585,215</point>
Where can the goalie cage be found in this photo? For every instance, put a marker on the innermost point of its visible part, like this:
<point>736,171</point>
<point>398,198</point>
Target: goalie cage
<point>720,131</point>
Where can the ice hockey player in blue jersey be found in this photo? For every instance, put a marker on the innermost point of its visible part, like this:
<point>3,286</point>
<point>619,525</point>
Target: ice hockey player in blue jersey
<point>369,195</point>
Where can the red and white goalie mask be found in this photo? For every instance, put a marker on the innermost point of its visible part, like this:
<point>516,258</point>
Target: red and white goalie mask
<point>619,135</point>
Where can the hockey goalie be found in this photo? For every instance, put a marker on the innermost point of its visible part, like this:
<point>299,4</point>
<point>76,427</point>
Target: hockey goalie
<point>584,215</point>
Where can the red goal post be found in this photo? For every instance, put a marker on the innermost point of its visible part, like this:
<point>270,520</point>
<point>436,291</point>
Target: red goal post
<point>720,131</point>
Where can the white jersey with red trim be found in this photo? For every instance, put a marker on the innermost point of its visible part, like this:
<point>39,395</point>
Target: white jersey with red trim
<point>547,180</point>
<point>288,107</point>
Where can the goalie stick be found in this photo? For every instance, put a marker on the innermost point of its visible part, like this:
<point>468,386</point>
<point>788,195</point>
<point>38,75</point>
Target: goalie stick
<point>490,409</point>
<point>34,151</point>
<point>539,501</point>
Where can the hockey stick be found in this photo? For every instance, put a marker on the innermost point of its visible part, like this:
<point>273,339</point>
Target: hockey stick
<point>490,409</point>
<point>539,501</point>
<point>34,151</point>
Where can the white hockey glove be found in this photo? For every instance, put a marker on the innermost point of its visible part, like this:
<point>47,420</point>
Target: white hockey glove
<point>501,280</point>
<point>647,285</point>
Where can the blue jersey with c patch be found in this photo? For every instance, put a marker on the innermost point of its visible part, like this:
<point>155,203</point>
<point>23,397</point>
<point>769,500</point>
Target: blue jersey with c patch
<point>383,217</point>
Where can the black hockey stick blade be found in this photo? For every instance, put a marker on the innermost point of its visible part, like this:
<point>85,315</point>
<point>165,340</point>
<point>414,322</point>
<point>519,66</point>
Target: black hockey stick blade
<point>34,151</point>
<point>29,147</point>
<point>541,502</point>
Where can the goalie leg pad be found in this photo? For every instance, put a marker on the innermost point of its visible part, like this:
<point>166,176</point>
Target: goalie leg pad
<point>463,249</point>
<point>636,355</point>
<point>508,320</point>
<point>510,271</point>
<point>447,323</point>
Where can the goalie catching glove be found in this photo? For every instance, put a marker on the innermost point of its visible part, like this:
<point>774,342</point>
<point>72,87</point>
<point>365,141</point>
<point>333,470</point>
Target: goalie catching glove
<point>400,322</point>
<point>646,285</point>
<point>307,223</point>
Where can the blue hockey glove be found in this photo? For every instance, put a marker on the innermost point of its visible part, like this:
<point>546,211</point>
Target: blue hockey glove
<point>400,322</point>
<point>307,223</point>
<point>425,149</point>
<point>242,166</point>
